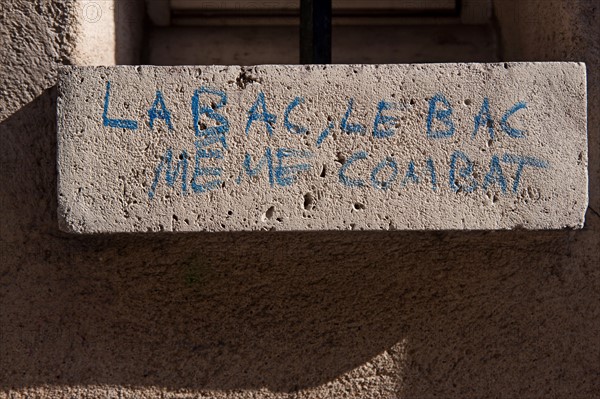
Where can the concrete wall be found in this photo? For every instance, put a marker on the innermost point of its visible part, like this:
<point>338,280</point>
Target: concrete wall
<point>286,315</point>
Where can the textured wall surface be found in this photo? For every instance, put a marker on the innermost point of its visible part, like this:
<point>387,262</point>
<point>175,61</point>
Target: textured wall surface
<point>553,30</point>
<point>339,147</point>
<point>284,315</point>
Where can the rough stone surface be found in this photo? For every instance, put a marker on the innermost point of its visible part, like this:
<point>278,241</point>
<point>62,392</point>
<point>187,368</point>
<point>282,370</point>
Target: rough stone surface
<point>551,30</point>
<point>304,148</point>
<point>502,314</point>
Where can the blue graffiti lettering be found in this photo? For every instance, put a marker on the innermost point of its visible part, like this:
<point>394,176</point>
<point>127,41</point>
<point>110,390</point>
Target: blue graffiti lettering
<point>118,123</point>
<point>442,115</point>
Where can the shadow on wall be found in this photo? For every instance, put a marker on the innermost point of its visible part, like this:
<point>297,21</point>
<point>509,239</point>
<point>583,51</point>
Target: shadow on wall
<point>476,313</point>
<point>130,17</point>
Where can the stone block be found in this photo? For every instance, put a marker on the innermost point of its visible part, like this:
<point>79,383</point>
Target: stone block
<point>336,147</point>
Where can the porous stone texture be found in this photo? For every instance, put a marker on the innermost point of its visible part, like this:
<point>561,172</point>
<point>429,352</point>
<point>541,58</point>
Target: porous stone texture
<point>367,314</point>
<point>441,146</point>
<point>538,30</point>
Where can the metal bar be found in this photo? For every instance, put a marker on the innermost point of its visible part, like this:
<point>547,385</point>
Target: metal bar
<point>315,32</point>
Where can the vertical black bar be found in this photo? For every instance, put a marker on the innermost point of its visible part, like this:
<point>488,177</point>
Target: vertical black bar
<point>315,31</point>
